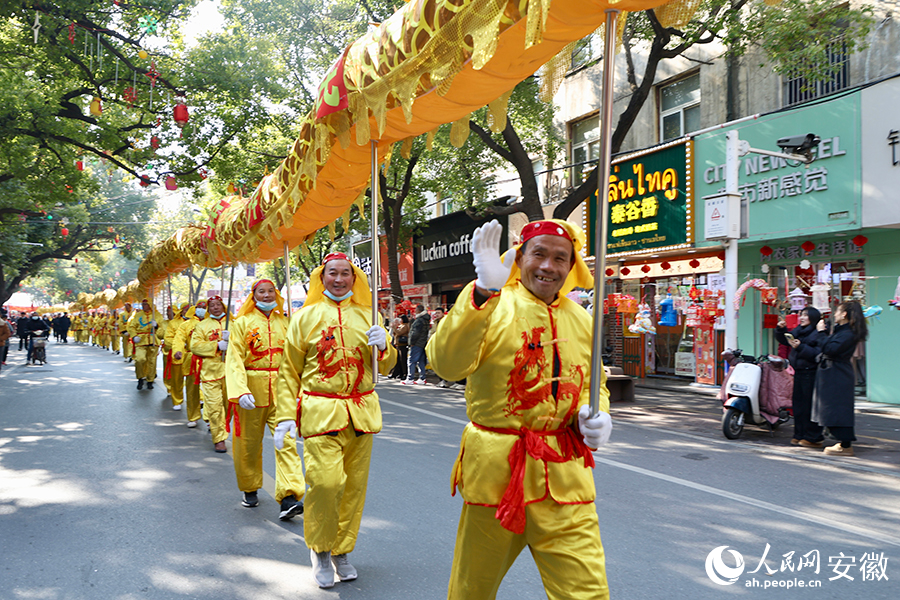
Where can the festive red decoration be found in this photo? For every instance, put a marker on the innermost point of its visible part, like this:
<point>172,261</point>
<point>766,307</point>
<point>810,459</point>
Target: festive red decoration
<point>609,272</point>
<point>625,271</point>
<point>181,112</point>
<point>694,263</point>
<point>860,241</point>
<point>130,96</point>
<point>766,251</point>
<point>645,268</point>
<point>64,232</point>
<point>543,228</point>
<point>808,246</point>
<point>145,182</point>
<point>666,265</point>
<point>171,185</point>
<point>71,33</point>
<point>154,142</point>
<point>79,165</point>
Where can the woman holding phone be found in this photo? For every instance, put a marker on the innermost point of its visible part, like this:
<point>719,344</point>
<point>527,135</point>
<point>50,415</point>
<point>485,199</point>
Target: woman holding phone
<point>805,342</point>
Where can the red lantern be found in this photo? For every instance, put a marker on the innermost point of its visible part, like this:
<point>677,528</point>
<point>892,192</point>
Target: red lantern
<point>64,232</point>
<point>694,263</point>
<point>79,165</point>
<point>645,268</point>
<point>609,272</point>
<point>145,182</point>
<point>171,185</point>
<point>808,246</point>
<point>860,241</point>
<point>666,265</point>
<point>625,271</point>
<point>154,142</point>
<point>181,112</point>
<point>766,251</point>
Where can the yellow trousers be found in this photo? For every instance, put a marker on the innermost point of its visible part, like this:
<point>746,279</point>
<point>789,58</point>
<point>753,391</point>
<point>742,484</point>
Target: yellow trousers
<point>192,398</point>
<point>114,339</point>
<point>564,540</point>
<point>214,399</point>
<point>248,456</point>
<point>127,346</point>
<point>337,473</point>
<point>145,362</point>
<point>174,382</point>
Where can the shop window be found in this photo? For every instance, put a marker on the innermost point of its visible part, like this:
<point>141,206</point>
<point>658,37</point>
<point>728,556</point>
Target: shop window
<point>679,108</point>
<point>835,63</point>
<point>585,144</point>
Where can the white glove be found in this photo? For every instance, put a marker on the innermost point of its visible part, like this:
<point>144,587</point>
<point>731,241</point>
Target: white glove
<point>225,334</point>
<point>153,323</point>
<point>492,271</point>
<point>595,430</point>
<point>136,339</point>
<point>223,345</point>
<point>282,429</point>
<point>377,337</point>
<point>247,402</point>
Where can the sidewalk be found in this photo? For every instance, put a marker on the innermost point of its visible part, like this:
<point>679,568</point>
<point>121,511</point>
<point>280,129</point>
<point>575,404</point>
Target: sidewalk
<point>686,387</point>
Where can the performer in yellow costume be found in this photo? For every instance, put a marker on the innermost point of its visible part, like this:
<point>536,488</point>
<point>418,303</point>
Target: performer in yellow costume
<point>189,365</point>
<point>256,345</point>
<point>209,341</point>
<point>142,331</point>
<point>112,325</point>
<point>325,387</point>
<point>524,466</point>
<point>127,344</point>
<point>172,373</point>
<point>76,327</point>
<point>103,330</point>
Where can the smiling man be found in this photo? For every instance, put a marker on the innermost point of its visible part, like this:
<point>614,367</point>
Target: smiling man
<point>524,466</point>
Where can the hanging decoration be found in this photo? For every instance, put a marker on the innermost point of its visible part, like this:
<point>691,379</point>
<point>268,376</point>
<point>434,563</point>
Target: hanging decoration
<point>64,231</point>
<point>79,165</point>
<point>142,54</point>
<point>895,302</point>
<point>808,246</point>
<point>154,142</point>
<point>129,96</point>
<point>804,264</point>
<point>171,184</point>
<point>153,75</point>
<point>625,271</point>
<point>860,241</point>
<point>766,251</point>
<point>694,263</point>
<point>72,33</point>
<point>609,272</point>
<point>738,295</point>
<point>37,25</point>
<point>665,265</point>
<point>181,112</point>
<point>96,107</point>
<point>148,23</point>
<point>645,268</point>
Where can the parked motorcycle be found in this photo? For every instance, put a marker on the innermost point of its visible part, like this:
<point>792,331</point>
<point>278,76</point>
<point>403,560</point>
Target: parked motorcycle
<point>39,350</point>
<point>757,391</point>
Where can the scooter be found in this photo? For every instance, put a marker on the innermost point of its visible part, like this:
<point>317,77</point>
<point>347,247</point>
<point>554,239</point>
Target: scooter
<point>39,350</point>
<point>741,404</point>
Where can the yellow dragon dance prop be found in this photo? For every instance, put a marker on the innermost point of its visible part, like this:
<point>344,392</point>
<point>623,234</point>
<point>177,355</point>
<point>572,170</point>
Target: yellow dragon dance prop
<point>432,62</point>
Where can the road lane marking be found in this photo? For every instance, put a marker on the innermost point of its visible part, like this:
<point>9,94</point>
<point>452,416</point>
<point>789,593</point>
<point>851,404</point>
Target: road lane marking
<point>704,488</point>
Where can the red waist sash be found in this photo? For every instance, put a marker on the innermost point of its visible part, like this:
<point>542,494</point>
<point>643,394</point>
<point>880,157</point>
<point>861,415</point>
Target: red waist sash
<point>511,511</point>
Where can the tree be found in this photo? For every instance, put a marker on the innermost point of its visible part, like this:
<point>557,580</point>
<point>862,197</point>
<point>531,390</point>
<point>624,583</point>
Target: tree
<point>793,35</point>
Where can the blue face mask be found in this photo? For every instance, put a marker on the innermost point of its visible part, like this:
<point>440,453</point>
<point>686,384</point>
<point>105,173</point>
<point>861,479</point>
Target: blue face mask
<point>266,306</point>
<point>338,298</point>
<point>200,312</point>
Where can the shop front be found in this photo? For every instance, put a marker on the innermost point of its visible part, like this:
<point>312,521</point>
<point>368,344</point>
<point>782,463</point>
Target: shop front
<point>442,255</point>
<point>820,234</point>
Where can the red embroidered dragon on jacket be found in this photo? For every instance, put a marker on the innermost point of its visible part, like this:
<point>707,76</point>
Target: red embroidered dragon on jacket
<point>255,345</point>
<point>330,365</point>
<point>526,384</point>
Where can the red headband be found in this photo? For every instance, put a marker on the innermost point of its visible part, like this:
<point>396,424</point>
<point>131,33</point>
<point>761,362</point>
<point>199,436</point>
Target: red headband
<point>336,256</point>
<point>261,281</point>
<point>544,228</point>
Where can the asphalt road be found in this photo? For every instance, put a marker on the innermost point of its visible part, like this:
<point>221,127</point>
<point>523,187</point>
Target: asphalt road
<point>104,493</point>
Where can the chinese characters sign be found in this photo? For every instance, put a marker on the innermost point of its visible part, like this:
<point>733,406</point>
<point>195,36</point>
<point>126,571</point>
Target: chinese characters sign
<point>650,200</point>
<point>839,249</point>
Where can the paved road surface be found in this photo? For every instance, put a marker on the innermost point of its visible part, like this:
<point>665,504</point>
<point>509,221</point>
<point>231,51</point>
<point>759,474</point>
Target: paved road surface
<point>104,493</point>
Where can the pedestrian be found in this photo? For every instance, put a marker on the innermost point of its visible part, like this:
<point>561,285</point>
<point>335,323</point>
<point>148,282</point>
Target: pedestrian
<point>142,331</point>
<point>209,342</point>
<point>22,330</point>
<point>418,339</point>
<point>524,465</point>
<point>256,347</point>
<point>805,343</point>
<point>833,403</point>
<point>36,326</point>
<point>184,359</point>
<point>325,388</point>
<point>5,334</point>
<point>64,324</point>
<point>400,335</point>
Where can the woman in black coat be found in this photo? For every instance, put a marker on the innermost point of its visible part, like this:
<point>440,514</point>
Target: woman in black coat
<point>806,344</point>
<point>835,379</point>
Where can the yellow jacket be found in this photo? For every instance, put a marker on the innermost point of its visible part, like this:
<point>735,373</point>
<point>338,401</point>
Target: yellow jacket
<point>123,321</point>
<point>327,367</point>
<point>182,343</point>
<point>255,348</point>
<point>205,344</point>
<point>506,349</point>
<point>171,330</point>
<point>140,325</point>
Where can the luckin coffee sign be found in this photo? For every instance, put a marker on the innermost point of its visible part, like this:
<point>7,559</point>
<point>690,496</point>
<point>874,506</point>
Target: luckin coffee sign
<point>443,251</point>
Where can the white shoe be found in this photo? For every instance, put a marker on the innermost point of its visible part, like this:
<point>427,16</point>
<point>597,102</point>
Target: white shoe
<point>457,386</point>
<point>345,571</point>
<point>407,382</point>
<point>176,407</point>
<point>421,382</point>
<point>192,424</point>
<point>443,384</point>
<point>323,572</point>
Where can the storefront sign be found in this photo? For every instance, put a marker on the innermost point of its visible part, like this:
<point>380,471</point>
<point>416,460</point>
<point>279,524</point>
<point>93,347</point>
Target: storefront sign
<point>785,198</point>
<point>650,201</point>
<point>880,154</point>
<point>362,258</point>
<point>684,364</point>
<point>443,251</point>
<point>834,250</point>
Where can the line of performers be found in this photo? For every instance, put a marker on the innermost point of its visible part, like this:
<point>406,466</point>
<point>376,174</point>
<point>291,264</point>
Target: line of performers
<point>524,469</point>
